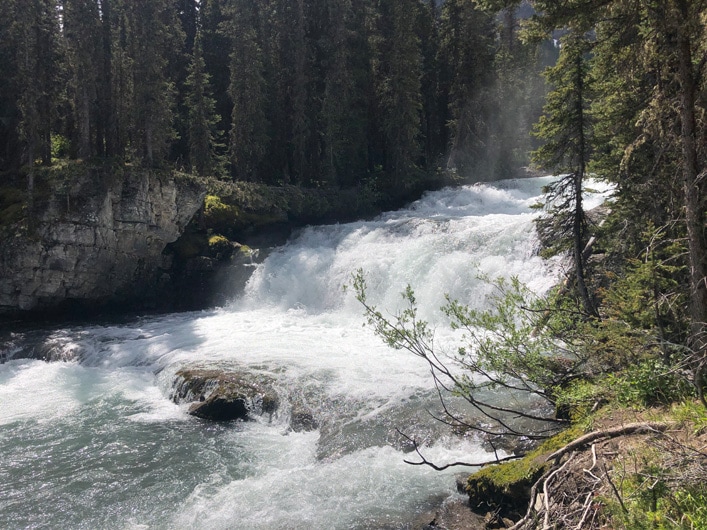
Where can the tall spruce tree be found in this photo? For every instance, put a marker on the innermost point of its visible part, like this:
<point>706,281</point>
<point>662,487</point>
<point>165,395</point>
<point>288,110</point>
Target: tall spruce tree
<point>397,71</point>
<point>9,113</point>
<point>567,129</point>
<point>35,35</point>
<point>82,35</point>
<point>215,37</point>
<point>661,149</point>
<point>155,34</point>
<point>249,138</point>
<point>466,67</point>
<point>202,119</point>
<point>345,79</point>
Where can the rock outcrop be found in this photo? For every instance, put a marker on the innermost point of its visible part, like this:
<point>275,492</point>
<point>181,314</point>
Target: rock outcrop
<point>219,395</point>
<point>97,237</point>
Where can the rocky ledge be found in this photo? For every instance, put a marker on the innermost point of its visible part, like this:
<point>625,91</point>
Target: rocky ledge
<point>93,236</point>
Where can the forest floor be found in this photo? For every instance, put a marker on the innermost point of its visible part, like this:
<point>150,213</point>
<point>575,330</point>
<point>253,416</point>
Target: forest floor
<point>649,477</point>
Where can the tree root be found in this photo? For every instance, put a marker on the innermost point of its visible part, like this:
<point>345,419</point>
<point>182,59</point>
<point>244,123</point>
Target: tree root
<point>563,497</point>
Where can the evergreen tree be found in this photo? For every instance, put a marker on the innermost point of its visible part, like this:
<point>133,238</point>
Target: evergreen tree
<point>82,35</point>
<point>661,150</point>
<point>35,35</point>
<point>466,67</point>
<point>249,137</point>
<point>293,148</point>
<point>9,113</point>
<point>215,37</point>
<point>567,129</point>
<point>155,34</point>
<point>345,80</point>
<point>202,119</point>
<point>397,69</point>
<point>432,125</point>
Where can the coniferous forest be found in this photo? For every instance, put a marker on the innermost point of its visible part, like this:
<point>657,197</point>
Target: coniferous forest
<point>329,93</point>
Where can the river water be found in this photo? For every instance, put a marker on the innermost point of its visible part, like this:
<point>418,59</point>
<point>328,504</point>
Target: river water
<point>92,440</point>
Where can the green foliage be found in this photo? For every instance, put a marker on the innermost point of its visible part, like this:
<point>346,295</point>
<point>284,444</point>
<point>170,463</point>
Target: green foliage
<point>60,146</point>
<point>219,215</point>
<point>579,398</point>
<point>649,383</point>
<point>507,347</point>
<point>203,121</point>
<point>690,411</point>
<point>508,340</point>
<point>219,243</point>
<point>652,503</point>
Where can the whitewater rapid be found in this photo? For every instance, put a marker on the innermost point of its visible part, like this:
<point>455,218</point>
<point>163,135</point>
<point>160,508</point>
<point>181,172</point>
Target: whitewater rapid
<point>92,440</point>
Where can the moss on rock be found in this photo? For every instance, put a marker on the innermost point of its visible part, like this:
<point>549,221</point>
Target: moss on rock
<point>506,487</point>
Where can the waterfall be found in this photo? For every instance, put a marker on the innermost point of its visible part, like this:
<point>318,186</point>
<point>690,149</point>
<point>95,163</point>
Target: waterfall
<point>92,440</point>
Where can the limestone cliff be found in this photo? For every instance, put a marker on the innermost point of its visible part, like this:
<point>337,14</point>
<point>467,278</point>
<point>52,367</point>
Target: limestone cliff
<point>92,237</point>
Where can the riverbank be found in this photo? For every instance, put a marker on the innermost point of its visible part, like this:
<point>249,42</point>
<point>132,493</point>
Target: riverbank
<point>623,468</point>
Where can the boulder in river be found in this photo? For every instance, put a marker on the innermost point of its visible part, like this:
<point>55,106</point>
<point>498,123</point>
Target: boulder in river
<point>220,395</point>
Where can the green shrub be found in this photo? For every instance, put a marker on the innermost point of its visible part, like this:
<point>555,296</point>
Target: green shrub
<point>220,246</point>
<point>649,383</point>
<point>60,146</point>
<point>218,215</point>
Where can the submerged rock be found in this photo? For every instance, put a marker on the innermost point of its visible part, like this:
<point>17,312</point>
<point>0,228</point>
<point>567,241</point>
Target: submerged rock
<point>302,419</point>
<point>220,395</point>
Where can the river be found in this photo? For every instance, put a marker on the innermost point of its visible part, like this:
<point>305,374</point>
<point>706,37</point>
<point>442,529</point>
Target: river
<point>91,439</point>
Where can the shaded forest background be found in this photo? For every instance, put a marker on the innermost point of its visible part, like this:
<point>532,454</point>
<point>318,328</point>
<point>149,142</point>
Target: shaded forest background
<point>318,93</point>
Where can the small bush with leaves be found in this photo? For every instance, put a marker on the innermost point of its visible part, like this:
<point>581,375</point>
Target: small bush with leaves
<point>649,383</point>
<point>509,347</point>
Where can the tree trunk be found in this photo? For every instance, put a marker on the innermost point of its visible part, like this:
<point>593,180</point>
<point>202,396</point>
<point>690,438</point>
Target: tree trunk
<point>693,187</point>
<point>578,224</point>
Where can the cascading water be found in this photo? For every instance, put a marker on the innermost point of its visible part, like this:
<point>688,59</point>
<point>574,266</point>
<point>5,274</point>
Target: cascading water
<point>92,440</point>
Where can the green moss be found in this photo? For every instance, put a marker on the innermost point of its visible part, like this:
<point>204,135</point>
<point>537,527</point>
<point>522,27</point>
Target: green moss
<point>507,486</point>
<point>219,216</point>
<point>220,246</point>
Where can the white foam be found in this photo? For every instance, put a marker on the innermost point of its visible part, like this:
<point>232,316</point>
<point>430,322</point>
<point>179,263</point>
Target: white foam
<point>296,324</point>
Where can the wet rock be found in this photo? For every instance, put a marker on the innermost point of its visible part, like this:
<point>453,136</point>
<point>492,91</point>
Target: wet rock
<point>220,395</point>
<point>302,419</point>
<point>452,514</point>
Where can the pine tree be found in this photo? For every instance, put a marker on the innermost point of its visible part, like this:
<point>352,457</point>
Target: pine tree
<point>466,67</point>
<point>249,137</point>
<point>35,34</point>
<point>344,106</point>
<point>82,34</point>
<point>567,129</point>
<point>432,124</point>
<point>215,37</point>
<point>202,118</point>
<point>397,69</point>
<point>155,34</point>
<point>661,151</point>
<point>9,113</point>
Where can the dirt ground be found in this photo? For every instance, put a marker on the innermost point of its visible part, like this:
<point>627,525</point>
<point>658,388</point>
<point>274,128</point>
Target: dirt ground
<point>576,491</point>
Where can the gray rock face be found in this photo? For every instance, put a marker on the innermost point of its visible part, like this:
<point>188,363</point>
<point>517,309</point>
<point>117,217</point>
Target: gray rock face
<point>99,239</point>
